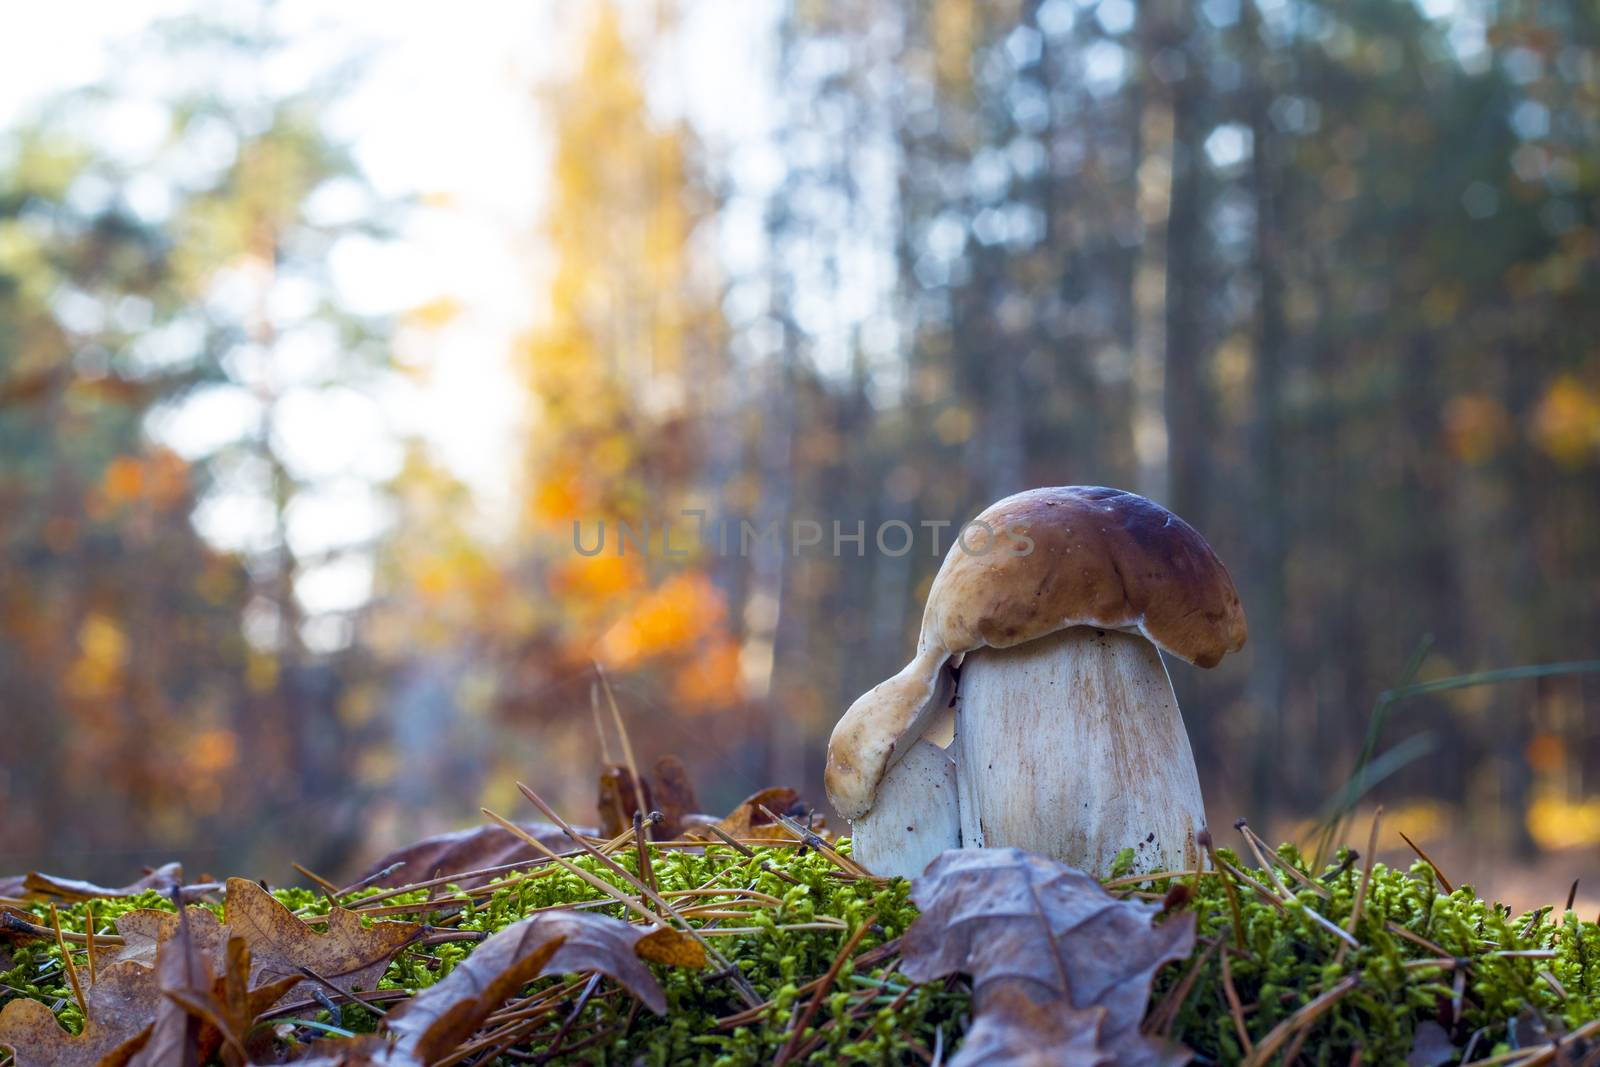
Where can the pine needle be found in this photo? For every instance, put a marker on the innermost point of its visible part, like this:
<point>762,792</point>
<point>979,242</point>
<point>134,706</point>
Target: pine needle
<point>68,966</point>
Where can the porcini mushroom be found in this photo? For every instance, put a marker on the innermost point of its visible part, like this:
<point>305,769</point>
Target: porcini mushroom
<point>1068,739</point>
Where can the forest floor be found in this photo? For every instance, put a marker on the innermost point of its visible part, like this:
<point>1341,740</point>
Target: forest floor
<point>755,939</point>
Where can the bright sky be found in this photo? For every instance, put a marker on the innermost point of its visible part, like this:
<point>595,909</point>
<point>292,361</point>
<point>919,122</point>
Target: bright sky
<point>436,65</point>
<point>446,108</point>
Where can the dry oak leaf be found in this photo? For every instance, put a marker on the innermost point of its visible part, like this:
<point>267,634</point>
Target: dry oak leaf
<point>749,821</point>
<point>18,926</point>
<point>619,798</point>
<point>440,1017</point>
<point>163,879</point>
<point>674,796</point>
<point>1061,970</point>
<point>464,850</point>
<point>666,789</point>
<point>145,930</point>
<point>365,1051</point>
<point>183,967</point>
<point>208,999</point>
<point>348,956</point>
<point>120,1007</point>
<point>234,1002</point>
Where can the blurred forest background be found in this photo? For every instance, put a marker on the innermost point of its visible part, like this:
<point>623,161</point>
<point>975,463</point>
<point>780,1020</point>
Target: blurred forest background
<point>1323,278</point>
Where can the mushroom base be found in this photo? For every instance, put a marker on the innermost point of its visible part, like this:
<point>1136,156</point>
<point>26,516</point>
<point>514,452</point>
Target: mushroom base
<point>1072,745</point>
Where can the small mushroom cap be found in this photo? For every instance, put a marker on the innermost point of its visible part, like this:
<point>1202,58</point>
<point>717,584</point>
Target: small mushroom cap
<point>881,724</point>
<point>1057,557</point>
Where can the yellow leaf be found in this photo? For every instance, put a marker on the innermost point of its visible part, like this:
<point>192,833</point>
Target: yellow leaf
<point>435,314</point>
<point>1566,424</point>
<point>671,947</point>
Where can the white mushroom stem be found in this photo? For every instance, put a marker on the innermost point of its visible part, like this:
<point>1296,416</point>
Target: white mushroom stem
<point>914,817</point>
<point>1072,745</point>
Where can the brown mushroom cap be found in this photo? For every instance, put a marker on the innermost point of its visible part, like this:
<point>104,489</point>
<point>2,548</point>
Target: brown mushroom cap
<point>1057,557</point>
<point>1098,557</point>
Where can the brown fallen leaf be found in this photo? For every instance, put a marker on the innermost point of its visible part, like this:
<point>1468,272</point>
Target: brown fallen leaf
<point>440,1017</point>
<point>205,979</point>
<point>666,789</point>
<point>145,930</point>
<point>366,1051</point>
<point>225,1006</point>
<point>749,821</point>
<point>673,796</point>
<point>1061,970</point>
<point>463,850</point>
<point>120,1007</point>
<point>619,800</point>
<point>348,956</point>
<point>277,942</point>
<point>183,966</point>
<point>19,927</point>
<point>235,1004</point>
<point>36,886</point>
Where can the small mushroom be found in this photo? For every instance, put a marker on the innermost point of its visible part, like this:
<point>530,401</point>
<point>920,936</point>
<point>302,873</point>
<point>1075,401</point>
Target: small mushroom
<point>915,817</point>
<point>1068,738</point>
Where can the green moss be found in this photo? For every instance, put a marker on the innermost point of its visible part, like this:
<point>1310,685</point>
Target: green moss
<point>1287,959</point>
<point>35,969</point>
<point>774,958</point>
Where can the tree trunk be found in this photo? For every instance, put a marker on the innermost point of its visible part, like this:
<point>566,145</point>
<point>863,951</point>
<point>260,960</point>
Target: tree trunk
<point>1268,543</point>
